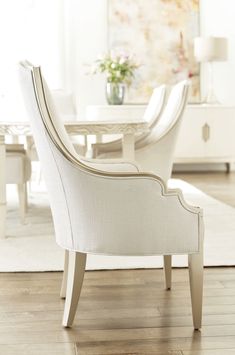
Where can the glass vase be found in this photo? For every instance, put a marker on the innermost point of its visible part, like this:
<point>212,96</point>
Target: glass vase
<point>115,93</point>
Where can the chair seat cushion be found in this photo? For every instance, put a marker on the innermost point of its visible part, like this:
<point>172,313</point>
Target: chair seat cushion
<point>18,167</point>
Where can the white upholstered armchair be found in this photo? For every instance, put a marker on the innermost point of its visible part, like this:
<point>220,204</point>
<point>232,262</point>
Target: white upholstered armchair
<point>111,213</point>
<point>155,153</point>
<point>151,115</point>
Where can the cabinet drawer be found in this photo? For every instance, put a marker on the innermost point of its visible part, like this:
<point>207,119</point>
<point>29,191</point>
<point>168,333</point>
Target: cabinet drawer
<point>190,142</point>
<point>207,132</point>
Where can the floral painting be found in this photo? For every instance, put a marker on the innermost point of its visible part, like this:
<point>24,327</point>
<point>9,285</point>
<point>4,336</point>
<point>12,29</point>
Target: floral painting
<point>160,33</point>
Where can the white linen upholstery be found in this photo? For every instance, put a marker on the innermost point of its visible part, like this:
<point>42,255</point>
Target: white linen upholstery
<point>103,212</point>
<point>156,151</point>
<point>151,115</point>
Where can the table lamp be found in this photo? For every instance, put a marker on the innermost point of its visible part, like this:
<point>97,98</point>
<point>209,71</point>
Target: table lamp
<point>209,50</point>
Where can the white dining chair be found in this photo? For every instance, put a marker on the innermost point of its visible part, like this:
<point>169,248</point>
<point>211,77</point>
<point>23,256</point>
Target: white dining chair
<point>151,115</point>
<point>18,171</point>
<point>97,211</point>
<point>155,153</point>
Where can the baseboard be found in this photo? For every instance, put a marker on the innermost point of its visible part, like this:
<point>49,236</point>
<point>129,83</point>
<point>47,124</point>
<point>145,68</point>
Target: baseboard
<point>201,167</point>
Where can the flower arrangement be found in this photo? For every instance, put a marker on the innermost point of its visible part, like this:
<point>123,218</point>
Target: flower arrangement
<point>118,66</point>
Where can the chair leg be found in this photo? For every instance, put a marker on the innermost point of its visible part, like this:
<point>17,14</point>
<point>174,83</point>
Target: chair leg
<point>65,275</point>
<point>196,287</point>
<point>76,270</point>
<point>26,197</point>
<point>22,193</point>
<point>168,270</point>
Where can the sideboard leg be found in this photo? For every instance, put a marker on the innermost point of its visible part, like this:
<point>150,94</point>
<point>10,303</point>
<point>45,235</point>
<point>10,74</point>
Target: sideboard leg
<point>228,167</point>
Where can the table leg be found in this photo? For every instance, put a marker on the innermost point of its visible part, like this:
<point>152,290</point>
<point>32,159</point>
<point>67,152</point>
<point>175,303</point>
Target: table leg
<point>15,139</point>
<point>2,187</point>
<point>99,138</point>
<point>128,146</point>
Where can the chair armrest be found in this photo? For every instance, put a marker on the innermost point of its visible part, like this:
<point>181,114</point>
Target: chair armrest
<point>112,165</point>
<point>99,148</point>
<point>123,213</point>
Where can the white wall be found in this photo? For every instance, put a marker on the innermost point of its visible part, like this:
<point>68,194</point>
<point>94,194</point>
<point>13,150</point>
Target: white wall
<point>87,24</point>
<point>33,30</point>
<point>66,35</point>
<point>217,17</point>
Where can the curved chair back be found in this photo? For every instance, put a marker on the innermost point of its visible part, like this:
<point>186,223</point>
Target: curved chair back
<point>155,105</point>
<point>173,111</point>
<point>157,152</point>
<point>152,114</point>
<point>54,149</point>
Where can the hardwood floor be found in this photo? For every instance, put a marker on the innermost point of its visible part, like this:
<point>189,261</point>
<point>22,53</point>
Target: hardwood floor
<point>122,311</point>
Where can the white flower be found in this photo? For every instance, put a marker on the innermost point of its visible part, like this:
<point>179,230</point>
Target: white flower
<point>122,60</point>
<point>118,74</point>
<point>113,65</point>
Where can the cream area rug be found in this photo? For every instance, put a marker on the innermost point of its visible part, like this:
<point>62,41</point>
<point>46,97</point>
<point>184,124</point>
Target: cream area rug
<point>32,247</point>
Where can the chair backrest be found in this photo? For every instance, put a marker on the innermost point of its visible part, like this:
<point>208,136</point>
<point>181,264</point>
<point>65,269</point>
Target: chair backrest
<point>53,147</point>
<point>172,112</point>
<point>157,152</point>
<point>155,105</point>
<point>64,104</point>
<point>152,114</point>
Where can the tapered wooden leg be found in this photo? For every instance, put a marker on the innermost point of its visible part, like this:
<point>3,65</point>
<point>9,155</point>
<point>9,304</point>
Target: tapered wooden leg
<point>196,287</point>
<point>76,270</point>
<point>22,193</point>
<point>168,270</point>
<point>26,197</point>
<point>65,275</point>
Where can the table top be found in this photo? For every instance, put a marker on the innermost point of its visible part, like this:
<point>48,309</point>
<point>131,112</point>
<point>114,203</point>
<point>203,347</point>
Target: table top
<point>80,127</point>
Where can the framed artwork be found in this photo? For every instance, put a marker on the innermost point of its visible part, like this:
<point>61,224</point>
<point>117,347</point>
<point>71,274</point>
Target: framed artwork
<point>160,34</point>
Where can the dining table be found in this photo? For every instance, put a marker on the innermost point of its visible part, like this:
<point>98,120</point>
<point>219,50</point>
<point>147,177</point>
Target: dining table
<point>127,128</point>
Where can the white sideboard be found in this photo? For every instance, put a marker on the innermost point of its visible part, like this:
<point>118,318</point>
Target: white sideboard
<point>207,134</point>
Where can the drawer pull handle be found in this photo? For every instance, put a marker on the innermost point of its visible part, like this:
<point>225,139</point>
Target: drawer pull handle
<point>206,132</point>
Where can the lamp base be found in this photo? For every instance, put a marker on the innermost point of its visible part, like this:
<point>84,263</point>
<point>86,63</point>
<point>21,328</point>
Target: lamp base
<point>211,99</point>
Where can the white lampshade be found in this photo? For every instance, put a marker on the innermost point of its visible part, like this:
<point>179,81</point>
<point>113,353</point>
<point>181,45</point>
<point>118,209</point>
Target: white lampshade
<point>210,49</point>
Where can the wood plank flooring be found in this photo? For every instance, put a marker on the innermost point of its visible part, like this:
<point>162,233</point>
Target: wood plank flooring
<point>122,311</point>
